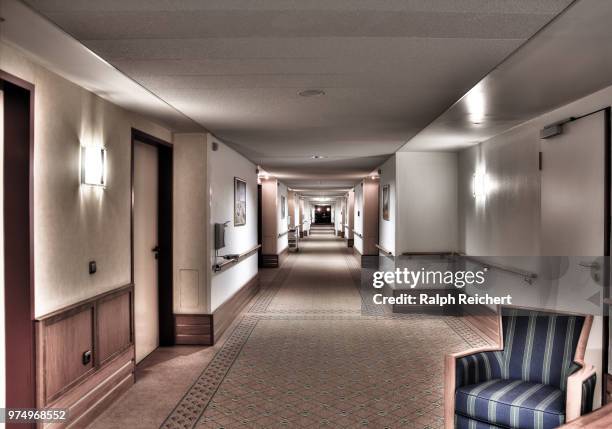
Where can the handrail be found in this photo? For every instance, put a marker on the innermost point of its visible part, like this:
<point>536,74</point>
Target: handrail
<point>357,234</point>
<point>224,265</point>
<point>527,276</point>
<point>282,234</point>
<point>445,253</point>
<point>385,251</point>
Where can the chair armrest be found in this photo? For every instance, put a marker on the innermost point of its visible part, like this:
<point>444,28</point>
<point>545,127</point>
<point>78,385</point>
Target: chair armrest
<point>584,378</point>
<point>450,381</point>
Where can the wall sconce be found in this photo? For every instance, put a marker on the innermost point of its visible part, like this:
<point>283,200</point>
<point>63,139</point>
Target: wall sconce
<point>93,165</point>
<point>480,184</point>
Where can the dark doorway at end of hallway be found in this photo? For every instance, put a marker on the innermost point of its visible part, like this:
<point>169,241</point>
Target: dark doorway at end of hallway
<point>323,214</point>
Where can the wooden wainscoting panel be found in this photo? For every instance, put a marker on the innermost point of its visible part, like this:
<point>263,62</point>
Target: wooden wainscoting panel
<point>103,325</point>
<point>225,314</point>
<point>65,340</point>
<point>84,398</point>
<point>193,329</point>
<point>114,319</point>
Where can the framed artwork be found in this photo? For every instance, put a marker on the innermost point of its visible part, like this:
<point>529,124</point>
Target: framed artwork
<point>283,205</point>
<point>385,201</point>
<point>239,202</point>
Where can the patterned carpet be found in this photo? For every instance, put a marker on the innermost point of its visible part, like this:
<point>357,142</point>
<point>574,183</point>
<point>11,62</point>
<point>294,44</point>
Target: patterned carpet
<point>305,356</point>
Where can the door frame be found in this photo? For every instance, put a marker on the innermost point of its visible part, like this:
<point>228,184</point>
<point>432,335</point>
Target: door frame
<point>165,222</point>
<point>21,381</point>
<point>607,237</point>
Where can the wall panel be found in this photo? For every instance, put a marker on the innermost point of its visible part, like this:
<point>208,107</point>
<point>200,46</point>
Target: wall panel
<point>102,326</point>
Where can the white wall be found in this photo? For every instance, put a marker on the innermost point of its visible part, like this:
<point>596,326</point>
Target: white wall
<point>223,165</point>
<point>283,226</point>
<point>296,209</point>
<point>358,217</point>
<point>75,224</point>
<point>507,223</point>
<point>350,214</point>
<point>338,215</point>
<point>387,228</point>
<point>191,270</point>
<point>427,202</point>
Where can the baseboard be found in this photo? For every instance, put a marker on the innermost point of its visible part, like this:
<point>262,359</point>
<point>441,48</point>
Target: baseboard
<point>350,242</point>
<point>89,399</point>
<point>193,329</point>
<point>225,314</point>
<point>274,260</point>
<point>369,261</point>
<point>269,261</point>
<point>206,329</point>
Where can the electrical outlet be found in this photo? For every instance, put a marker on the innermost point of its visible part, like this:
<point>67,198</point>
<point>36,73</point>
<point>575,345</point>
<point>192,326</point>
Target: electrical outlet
<point>86,357</point>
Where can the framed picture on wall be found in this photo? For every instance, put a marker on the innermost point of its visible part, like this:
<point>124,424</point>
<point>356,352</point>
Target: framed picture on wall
<point>385,201</point>
<point>239,202</point>
<point>283,205</point>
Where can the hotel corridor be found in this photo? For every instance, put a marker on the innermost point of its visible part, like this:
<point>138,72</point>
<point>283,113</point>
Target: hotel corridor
<point>302,355</point>
<point>305,214</point>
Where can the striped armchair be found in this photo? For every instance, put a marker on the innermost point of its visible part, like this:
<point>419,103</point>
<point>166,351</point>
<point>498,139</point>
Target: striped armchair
<point>537,379</point>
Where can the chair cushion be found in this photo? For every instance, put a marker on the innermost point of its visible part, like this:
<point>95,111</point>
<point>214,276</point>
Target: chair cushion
<point>462,422</point>
<point>512,404</point>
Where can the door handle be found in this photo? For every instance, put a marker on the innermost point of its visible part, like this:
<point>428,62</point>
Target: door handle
<point>156,251</point>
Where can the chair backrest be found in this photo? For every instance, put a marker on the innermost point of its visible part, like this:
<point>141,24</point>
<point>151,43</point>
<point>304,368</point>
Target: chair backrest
<point>539,346</point>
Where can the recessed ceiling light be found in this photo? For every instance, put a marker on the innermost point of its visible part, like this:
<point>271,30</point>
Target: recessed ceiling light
<point>318,157</point>
<point>311,93</point>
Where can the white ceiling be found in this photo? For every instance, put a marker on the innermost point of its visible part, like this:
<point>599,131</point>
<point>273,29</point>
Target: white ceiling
<point>388,67</point>
<point>568,60</point>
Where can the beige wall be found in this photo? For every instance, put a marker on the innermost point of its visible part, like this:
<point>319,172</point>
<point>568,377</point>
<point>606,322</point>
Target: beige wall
<point>75,224</point>
<point>191,294</point>
<point>269,214</point>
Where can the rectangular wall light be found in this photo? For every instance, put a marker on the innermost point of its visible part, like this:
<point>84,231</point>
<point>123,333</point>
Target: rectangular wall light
<point>93,165</point>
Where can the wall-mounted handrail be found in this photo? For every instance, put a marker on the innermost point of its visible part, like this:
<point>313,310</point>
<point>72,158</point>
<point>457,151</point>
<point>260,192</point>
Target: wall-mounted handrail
<point>283,234</point>
<point>387,252</point>
<point>440,254</point>
<point>357,234</point>
<point>527,276</point>
<point>224,265</point>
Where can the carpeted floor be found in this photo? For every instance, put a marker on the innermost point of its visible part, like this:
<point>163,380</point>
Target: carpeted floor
<point>304,356</point>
